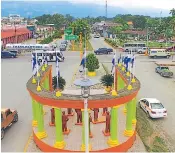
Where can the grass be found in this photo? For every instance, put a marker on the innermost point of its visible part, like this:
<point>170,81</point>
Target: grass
<point>78,48</point>
<point>151,137</point>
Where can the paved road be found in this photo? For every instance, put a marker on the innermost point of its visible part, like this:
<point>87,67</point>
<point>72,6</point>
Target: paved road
<point>15,74</point>
<point>152,85</point>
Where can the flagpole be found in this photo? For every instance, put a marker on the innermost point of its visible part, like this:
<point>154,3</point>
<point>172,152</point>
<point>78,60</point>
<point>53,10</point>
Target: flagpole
<point>58,93</point>
<point>114,70</point>
<point>37,73</point>
<point>33,68</point>
<point>85,54</point>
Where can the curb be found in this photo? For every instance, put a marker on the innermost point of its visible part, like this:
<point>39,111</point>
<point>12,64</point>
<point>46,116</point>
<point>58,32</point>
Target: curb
<point>28,142</point>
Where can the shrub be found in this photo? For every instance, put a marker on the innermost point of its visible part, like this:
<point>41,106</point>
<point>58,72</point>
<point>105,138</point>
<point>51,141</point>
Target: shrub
<point>107,80</point>
<point>61,82</point>
<point>92,62</point>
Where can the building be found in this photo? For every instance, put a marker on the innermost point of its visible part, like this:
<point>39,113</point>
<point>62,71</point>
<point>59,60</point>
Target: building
<point>135,33</point>
<point>14,34</point>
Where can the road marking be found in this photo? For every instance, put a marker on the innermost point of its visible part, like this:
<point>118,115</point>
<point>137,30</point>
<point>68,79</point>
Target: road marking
<point>27,144</point>
<point>73,77</point>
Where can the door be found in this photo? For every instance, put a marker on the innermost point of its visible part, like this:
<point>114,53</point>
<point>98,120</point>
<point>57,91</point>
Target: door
<point>9,118</point>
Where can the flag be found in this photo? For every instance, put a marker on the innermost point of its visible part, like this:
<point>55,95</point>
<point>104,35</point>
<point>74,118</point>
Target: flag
<point>125,59</point>
<point>83,61</point>
<point>45,60</point>
<point>119,59</point>
<point>113,64</point>
<point>57,67</point>
<point>132,60</point>
<point>33,62</point>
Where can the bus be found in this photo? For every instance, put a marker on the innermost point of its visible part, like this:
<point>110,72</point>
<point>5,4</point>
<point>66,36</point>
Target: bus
<point>28,46</point>
<point>51,55</point>
<point>133,46</point>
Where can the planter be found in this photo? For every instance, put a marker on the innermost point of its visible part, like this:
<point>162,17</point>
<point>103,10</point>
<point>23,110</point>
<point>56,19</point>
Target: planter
<point>108,89</point>
<point>92,73</point>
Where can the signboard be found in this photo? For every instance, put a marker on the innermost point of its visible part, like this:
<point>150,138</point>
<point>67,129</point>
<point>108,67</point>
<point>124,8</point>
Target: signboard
<point>71,37</point>
<point>68,31</point>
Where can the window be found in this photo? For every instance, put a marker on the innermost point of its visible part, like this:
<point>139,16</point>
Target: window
<point>2,119</point>
<point>153,51</point>
<point>39,54</point>
<point>147,103</point>
<point>156,106</point>
<point>8,112</point>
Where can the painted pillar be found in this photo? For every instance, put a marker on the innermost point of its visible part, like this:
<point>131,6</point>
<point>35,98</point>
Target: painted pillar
<point>83,147</point>
<point>113,140</point>
<point>60,144</point>
<point>41,132</point>
<point>129,131</point>
<point>47,83</point>
<point>134,111</point>
<point>34,110</point>
<point>50,80</point>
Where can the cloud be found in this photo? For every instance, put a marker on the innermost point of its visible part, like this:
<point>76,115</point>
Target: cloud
<point>161,4</point>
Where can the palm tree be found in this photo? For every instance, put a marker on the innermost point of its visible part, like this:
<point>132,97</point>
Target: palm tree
<point>172,12</point>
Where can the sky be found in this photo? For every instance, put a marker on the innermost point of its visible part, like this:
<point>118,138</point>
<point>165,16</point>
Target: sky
<point>161,4</point>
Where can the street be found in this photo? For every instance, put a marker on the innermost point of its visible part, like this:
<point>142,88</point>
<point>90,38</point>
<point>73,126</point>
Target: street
<point>16,72</point>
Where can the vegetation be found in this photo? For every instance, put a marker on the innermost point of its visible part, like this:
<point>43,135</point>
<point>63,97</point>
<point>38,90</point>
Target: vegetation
<point>92,62</point>
<point>46,40</point>
<point>107,80</point>
<point>77,46</point>
<point>61,83</point>
<point>57,34</point>
<point>57,19</point>
<point>151,138</point>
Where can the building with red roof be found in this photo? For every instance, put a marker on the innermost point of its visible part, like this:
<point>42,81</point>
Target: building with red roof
<point>14,35</point>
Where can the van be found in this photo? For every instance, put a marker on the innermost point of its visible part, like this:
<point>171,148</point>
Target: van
<point>155,53</point>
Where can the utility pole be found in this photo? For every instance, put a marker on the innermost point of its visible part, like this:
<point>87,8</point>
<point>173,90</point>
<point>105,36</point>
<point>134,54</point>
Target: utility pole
<point>160,17</point>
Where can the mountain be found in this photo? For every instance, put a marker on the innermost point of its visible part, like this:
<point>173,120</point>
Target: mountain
<point>38,8</point>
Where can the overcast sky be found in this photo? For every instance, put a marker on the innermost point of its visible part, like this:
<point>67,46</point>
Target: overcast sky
<point>161,4</point>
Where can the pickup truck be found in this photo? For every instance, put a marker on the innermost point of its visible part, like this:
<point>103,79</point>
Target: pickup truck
<point>164,71</point>
<point>8,117</point>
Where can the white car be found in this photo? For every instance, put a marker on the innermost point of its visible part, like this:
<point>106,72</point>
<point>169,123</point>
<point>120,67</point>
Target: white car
<point>153,107</point>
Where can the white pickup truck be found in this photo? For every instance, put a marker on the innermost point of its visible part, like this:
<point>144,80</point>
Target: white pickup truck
<point>142,50</point>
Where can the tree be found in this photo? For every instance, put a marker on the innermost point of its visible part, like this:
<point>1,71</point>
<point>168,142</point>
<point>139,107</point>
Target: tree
<point>139,22</point>
<point>61,83</point>
<point>172,12</point>
<point>81,26</point>
<point>92,62</point>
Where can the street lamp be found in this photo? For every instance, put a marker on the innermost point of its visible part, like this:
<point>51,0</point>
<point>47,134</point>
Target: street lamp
<point>85,85</point>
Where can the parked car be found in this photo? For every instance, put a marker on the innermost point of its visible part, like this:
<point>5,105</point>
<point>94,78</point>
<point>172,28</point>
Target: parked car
<point>62,47</point>
<point>163,71</point>
<point>14,51</point>
<point>103,51</point>
<point>6,54</point>
<point>142,50</point>
<point>8,117</point>
<point>153,107</point>
<point>64,42</point>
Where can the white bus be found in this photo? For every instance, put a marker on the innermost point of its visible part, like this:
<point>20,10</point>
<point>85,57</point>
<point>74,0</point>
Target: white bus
<point>28,46</point>
<point>134,46</point>
<point>156,53</point>
<point>51,55</point>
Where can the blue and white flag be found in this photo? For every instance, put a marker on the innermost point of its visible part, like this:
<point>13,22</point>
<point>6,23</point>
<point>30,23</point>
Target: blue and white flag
<point>57,67</point>
<point>45,60</point>
<point>119,59</point>
<point>33,63</point>
<point>113,64</point>
<point>132,60</point>
<point>83,61</point>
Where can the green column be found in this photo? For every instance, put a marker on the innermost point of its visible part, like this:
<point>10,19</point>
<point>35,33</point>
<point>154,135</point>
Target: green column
<point>41,132</point>
<point>113,140</point>
<point>120,82</point>
<point>47,83</point>
<point>129,131</point>
<point>134,112</point>
<point>34,122</point>
<point>60,144</point>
